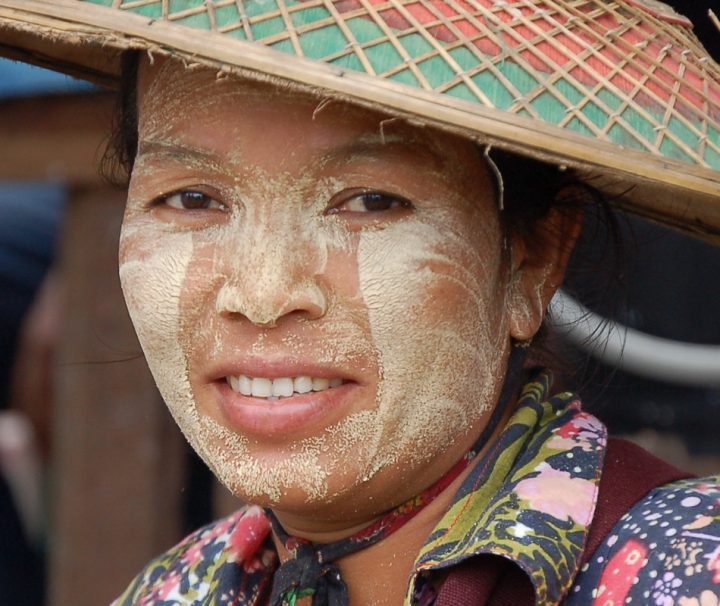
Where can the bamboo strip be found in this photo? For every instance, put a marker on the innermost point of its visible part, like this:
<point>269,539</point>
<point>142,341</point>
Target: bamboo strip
<point>306,27</point>
<point>407,59</point>
<point>290,29</point>
<point>354,44</point>
<point>627,101</point>
<point>662,129</point>
<point>654,79</point>
<point>245,21</point>
<point>530,46</point>
<point>441,51</point>
<point>678,115</point>
<point>706,106</point>
<point>464,76</point>
<point>212,18</point>
<point>714,19</point>
<point>131,4</point>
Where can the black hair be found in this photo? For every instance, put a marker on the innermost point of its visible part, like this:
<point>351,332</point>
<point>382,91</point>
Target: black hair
<point>121,150</point>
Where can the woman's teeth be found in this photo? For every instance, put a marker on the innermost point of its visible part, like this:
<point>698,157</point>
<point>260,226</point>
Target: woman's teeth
<point>283,387</point>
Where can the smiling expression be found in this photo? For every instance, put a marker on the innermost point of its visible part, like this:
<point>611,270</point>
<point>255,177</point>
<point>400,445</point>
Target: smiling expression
<point>267,244</point>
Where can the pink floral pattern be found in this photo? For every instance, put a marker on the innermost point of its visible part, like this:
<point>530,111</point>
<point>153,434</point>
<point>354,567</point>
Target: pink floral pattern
<point>583,431</point>
<point>228,562</point>
<point>558,494</point>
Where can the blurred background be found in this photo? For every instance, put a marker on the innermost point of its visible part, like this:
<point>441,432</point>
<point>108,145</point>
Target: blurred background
<point>95,478</point>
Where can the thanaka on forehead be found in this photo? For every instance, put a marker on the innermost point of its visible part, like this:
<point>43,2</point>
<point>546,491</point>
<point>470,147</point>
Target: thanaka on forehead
<point>174,149</point>
<point>165,86</point>
<point>368,146</point>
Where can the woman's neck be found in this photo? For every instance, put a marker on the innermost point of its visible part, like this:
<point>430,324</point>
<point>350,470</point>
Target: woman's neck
<point>378,574</point>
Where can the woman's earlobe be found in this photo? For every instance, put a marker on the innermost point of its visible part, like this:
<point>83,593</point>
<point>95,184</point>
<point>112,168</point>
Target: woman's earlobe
<point>540,258</point>
<point>526,310</point>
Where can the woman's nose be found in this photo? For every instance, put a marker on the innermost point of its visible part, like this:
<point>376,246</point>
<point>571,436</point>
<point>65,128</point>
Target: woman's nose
<point>264,302</point>
<point>270,273</point>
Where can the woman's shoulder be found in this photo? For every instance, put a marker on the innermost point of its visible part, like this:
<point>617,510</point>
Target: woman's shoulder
<point>664,551</point>
<point>225,557</point>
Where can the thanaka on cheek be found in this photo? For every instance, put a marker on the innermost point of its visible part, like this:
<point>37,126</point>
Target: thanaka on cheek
<point>153,287</point>
<point>436,369</point>
<point>433,371</point>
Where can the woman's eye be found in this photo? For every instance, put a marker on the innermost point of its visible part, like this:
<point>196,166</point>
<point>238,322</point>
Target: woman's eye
<point>192,200</point>
<point>371,202</point>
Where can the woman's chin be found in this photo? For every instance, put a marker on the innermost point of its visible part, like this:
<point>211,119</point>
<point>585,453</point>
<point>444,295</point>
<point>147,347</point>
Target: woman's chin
<point>350,501</point>
<point>299,476</point>
<point>305,514</point>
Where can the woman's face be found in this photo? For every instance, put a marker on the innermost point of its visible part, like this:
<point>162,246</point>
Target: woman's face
<point>272,241</point>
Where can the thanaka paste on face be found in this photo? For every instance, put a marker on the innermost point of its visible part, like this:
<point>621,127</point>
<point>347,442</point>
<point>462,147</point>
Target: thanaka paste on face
<point>436,372</point>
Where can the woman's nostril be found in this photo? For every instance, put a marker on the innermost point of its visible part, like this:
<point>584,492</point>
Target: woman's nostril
<point>264,307</point>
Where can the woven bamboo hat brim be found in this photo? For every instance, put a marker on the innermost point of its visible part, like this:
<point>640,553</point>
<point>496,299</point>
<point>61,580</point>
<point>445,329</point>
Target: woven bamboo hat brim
<point>620,90</point>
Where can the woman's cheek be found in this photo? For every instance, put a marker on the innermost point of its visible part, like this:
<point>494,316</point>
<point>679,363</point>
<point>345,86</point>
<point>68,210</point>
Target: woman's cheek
<point>428,312</point>
<point>153,271</point>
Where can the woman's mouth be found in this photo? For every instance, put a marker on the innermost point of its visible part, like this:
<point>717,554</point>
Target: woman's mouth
<point>281,387</point>
<point>282,406</point>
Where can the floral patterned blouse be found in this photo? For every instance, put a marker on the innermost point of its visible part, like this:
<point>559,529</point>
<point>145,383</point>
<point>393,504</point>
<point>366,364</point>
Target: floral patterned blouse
<point>530,498</point>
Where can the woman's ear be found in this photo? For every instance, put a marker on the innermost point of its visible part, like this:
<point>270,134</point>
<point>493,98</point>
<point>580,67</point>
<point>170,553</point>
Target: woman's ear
<point>539,259</point>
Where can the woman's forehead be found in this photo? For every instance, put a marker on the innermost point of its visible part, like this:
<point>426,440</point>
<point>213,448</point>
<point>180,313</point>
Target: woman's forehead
<point>193,105</point>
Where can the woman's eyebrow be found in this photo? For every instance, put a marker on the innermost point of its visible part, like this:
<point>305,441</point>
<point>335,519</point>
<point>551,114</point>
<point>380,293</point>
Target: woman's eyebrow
<point>176,151</point>
<point>369,147</point>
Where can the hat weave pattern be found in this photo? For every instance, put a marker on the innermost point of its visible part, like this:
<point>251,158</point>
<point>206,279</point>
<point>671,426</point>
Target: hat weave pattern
<point>612,71</point>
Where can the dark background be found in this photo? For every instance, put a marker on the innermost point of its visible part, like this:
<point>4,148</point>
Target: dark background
<point>664,284</point>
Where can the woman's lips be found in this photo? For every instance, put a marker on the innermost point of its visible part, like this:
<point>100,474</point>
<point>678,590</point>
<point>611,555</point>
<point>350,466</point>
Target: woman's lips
<point>298,414</point>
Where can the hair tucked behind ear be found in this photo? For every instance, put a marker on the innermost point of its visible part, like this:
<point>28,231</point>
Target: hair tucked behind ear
<point>526,201</point>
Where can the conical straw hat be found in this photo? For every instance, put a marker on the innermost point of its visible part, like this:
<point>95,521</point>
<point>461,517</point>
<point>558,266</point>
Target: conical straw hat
<point>620,90</point>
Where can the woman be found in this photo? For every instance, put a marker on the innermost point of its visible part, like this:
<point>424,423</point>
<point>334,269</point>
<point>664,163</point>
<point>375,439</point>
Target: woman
<point>335,299</point>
